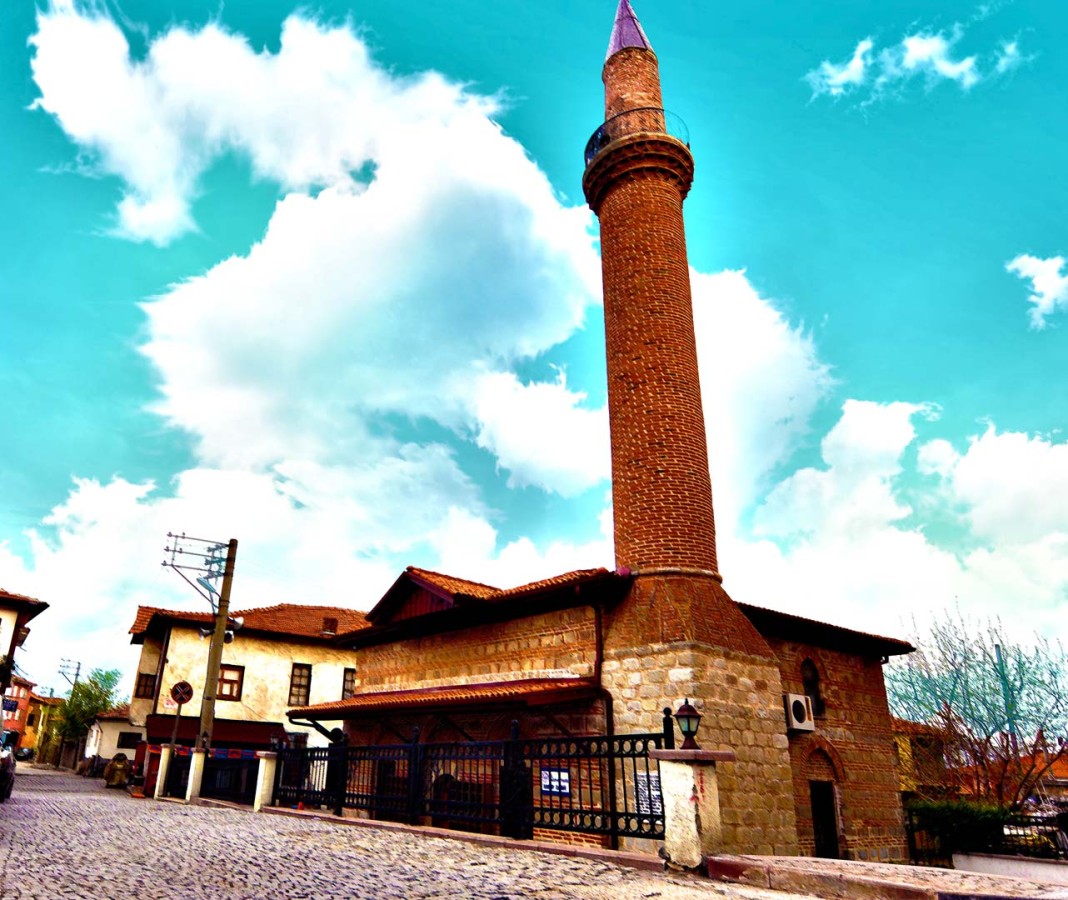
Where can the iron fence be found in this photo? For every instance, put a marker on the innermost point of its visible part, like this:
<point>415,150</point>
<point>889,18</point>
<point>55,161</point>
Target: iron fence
<point>933,841</point>
<point>602,785</point>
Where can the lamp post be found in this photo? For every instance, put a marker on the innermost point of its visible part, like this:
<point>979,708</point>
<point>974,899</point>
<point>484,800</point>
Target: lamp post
<point>689,720</point>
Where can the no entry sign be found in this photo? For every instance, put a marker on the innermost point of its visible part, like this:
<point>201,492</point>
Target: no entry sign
<point>182,692</point>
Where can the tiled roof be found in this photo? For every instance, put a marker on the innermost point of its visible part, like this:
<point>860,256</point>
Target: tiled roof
<point>47,701</point>
<point>452,585</point>
<point>289,619</point>
<point>557,581</point>
<point>117,713</point>
<point>907,726</point>
<point>532,692</point>
<point>21,598</point>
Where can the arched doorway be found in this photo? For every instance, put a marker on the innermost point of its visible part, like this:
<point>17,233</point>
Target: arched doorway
<point>823,797</point>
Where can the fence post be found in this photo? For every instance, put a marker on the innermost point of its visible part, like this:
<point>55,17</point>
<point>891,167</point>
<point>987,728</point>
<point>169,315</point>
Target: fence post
<point>516,811</point>
<point>669,729</point>
<point>265,780</point>
<point>415,779</point>
<point>337,772</point>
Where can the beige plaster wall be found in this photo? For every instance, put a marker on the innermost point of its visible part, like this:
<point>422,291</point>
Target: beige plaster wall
<point>8,618</point>
<point>268,666</point>
<point>141,708</point>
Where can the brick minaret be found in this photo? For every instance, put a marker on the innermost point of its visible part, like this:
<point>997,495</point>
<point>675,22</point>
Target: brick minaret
<point>637,176</point>
<point>677,633</point>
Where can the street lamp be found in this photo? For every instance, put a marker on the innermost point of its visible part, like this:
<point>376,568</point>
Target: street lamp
<point>689,719</point>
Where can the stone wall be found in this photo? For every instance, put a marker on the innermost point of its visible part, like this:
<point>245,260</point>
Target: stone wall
<point>740,699</point>
<point>554,644</point>
<point>855,735</point>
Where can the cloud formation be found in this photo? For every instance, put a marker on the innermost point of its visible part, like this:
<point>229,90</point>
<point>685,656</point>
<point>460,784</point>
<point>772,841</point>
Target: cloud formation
<point>1049,285</point>
<point>928,56</point>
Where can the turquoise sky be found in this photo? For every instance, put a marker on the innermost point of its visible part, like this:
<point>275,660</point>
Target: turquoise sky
<point>335,294</point>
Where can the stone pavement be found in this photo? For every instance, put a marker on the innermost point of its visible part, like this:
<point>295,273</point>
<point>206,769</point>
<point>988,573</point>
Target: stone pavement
<point>62,836</point>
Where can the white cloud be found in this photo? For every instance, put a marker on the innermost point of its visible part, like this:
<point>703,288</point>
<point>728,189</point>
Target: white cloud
<point>1009,57</point>
<point>761,380</point>
<point>1049,285</point>
<point>541,434</point>
<point>927,55</point>
<point>837,80</point>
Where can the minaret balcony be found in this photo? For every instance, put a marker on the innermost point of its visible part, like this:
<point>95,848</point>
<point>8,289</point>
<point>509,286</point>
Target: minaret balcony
<point>643,120</point>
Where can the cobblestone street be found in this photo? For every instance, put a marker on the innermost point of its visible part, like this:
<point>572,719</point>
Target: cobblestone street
<point>66,836</point>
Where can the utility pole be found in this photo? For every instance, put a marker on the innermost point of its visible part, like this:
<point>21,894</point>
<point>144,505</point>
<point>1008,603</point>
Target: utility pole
<point>65,667</point>
<point>218,638</point>
<point>202,560</point>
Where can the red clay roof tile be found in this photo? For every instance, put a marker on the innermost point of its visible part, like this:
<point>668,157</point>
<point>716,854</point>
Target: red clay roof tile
<point>288,619</point>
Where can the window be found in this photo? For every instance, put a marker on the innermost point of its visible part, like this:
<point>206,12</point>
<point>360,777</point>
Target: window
<point>30,720</point>
<point>348,684</point>
<point>146,685</point>
<point>231,680</point>
<point>128,740</point>
<point>300,685</point>
<point>810,678</point>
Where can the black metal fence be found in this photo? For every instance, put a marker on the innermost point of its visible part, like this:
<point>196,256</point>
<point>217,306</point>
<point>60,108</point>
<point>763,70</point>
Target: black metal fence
<point>603,785</point>
<point>933,840</point>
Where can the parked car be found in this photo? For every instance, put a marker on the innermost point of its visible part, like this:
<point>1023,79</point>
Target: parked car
<point>7,763</point>
<point>24,754</point>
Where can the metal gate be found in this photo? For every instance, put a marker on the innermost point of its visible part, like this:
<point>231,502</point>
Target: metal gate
<point>602,785</point>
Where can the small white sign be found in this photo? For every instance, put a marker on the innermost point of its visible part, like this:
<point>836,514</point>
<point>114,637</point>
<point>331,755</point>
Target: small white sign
<point>647,787</point>
<point>169,704</point>
<point>556,781</point>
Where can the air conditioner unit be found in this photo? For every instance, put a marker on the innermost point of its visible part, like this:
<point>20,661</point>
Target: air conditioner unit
<point>798,712</point>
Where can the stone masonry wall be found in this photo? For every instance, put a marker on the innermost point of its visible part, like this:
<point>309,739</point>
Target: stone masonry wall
<point>740,699</point>
<point>855,733</point>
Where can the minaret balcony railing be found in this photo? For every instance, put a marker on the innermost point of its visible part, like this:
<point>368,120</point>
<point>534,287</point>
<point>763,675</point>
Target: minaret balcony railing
<point>644,120</point>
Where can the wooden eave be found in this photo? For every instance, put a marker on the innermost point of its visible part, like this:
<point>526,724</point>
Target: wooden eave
<point>786,626</point>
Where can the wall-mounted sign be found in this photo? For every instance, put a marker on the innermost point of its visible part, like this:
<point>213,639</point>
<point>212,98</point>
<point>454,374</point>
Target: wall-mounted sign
<point>556,781</point>
<point>647,788</point>
<point>10,705</point>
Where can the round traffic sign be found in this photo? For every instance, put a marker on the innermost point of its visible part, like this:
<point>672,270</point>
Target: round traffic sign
<point>182,692</point>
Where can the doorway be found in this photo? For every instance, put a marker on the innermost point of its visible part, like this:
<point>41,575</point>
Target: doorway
<point>825,819</point>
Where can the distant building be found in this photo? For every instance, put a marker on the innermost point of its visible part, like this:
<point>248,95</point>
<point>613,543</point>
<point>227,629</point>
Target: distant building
<point>110,733</point>
<point>16,706</point>
<point>38,718</point>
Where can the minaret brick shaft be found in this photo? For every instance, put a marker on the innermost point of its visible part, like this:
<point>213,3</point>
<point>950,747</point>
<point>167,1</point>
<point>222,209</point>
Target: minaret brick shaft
<point>636,179</point>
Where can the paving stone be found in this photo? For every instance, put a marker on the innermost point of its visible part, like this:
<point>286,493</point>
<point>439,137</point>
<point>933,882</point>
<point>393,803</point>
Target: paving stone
<point>66,836</point>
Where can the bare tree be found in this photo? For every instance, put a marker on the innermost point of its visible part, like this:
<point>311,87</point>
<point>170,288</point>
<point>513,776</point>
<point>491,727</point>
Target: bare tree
<point>999,708</point>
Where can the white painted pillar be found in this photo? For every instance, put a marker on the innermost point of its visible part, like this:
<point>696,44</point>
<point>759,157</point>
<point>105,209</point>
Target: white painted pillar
<point>196,774</point>
<point>161,773</point>
<point>265,780</point>
<point>690,794</point>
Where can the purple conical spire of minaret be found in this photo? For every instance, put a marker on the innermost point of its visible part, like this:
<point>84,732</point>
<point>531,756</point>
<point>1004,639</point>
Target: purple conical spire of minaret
<point>627,31</point>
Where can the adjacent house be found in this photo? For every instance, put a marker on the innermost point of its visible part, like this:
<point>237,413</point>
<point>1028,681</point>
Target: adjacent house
<point>16,706</point>
<point>38,717</point>
<point>16,611</point>
<point>282,656</point>
<point>111,732</point>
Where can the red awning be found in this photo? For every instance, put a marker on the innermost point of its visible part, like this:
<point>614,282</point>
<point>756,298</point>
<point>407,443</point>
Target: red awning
<point>526,692</point>
<point>226,732</point>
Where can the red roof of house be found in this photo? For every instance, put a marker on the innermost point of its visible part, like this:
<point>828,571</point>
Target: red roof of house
<point>527,692</point>
<point>116,713</point>
<point>28,606</point>
<point>47,701</point>
<point>285,619</point>
<point>772,623</point>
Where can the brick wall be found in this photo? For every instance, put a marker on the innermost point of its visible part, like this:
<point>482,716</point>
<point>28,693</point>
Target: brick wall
<point>854,737</point>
